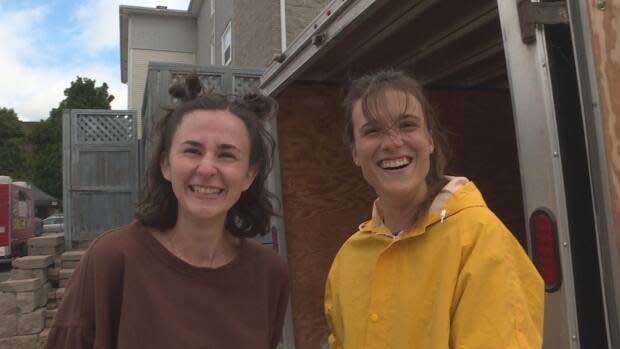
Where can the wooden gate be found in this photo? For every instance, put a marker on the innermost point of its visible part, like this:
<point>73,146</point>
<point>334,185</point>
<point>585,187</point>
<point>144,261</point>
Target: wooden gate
<point>100,171</point>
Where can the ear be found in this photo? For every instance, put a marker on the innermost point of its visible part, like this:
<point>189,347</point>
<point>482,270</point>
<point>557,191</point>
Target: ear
<point>164,166</point>
<point>431,146</point>
<point>354,155</point>
<point>249,179</point>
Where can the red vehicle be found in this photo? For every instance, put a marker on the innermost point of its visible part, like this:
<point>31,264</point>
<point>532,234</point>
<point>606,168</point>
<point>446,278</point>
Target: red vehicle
<point>17,220</point>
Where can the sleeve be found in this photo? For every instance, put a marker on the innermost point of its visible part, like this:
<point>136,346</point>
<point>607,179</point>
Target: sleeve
<point>88,314</point>
<point>281,309</point>
<point>499,295</point>
<point>334,322</point>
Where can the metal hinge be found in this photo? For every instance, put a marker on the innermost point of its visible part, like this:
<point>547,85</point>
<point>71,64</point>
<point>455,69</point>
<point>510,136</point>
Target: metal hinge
<point>533,13</point>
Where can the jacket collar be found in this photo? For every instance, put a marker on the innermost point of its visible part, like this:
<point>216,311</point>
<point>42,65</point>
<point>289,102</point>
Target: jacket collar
<point>459,193</point>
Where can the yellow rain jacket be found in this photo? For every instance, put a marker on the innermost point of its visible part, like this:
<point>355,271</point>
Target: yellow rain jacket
<point>460,280</point>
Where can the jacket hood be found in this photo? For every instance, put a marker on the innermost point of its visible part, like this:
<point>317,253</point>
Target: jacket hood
<point>460,193</point>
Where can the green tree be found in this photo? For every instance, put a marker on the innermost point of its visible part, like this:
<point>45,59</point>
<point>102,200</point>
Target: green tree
<point>13,154</point>
<point>46,137</point>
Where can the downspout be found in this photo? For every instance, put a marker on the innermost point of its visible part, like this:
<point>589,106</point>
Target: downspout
<point>283,24</point>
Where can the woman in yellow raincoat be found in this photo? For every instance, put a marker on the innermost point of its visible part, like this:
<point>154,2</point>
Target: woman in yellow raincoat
<point>433,267</point>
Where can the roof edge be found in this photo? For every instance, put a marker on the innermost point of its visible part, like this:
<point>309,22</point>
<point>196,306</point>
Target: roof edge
<point>322,30</point>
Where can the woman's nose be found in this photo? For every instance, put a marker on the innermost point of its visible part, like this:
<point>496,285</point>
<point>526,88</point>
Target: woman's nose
<point>392,138</point>
<point>206,167</point>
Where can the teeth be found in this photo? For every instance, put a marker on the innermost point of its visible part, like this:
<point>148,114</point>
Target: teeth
<point>395,163</point>
<point>205,190</point>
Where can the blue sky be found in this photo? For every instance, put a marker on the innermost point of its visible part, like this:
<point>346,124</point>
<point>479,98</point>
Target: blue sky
<point>44,45</point>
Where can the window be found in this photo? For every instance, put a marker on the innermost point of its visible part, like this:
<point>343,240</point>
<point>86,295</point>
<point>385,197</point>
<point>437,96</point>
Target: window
<point>227,46</point>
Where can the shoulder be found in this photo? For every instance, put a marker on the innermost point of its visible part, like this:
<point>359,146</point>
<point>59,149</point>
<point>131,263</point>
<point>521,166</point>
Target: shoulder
<point>266,258</point>
<point>360,244</point>
<point>479,223</point>
<point>484,237</point>
<point>467,209</point>
<point>113,246</point>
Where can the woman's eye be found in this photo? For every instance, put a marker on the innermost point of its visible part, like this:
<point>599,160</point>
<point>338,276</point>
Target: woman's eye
<point>370,131</point>
<point>408,125</point>
<point>230,156</point>
<point>191,151</point>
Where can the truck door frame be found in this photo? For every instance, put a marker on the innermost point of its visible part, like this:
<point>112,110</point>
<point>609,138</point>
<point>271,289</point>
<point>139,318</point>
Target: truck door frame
<point>540,163</point>
<point>582,14</point>
<point>580,308</point>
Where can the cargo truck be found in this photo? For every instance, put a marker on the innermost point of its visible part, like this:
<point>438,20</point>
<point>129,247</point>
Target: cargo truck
<point>529,94</point>
<point>17,219</point>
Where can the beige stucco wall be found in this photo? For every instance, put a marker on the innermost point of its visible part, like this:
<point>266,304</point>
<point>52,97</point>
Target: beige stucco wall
<point>138,63</point>
<point>205,32</point>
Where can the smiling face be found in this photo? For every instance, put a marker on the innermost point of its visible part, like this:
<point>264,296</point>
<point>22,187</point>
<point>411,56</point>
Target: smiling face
<point>208,164</point>
<point>393,146</point>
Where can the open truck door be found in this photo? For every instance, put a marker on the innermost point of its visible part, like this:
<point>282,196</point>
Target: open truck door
<point>553,73</point>
<point>533,124</point>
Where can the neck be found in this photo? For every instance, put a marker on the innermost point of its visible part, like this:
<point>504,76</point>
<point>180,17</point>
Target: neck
<point>399,214</point>
<point>201,245</point>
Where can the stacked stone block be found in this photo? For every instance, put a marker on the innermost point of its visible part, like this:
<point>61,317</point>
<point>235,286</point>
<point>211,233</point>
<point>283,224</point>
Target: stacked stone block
<point>24,298</point>
<point>68,262</point>
<point>63,269</point>
<point>47,245</point>
<point>22,302</point>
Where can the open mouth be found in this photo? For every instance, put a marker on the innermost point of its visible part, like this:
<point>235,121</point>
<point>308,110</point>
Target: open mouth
<point>205,190</point>
<point>395,164</point>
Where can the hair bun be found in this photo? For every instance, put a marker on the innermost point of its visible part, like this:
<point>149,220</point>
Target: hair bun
<point>186,88</point>
<point>263,106</point>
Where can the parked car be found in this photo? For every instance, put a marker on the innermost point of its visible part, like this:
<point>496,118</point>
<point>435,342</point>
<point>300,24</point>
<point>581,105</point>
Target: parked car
<point>54,224</point>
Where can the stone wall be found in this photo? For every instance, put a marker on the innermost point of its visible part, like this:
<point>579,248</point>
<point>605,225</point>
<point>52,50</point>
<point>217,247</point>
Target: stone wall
<point>28,298</point>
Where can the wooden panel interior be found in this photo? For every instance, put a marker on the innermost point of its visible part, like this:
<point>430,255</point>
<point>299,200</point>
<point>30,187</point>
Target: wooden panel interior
<point>606,42</point>
<point>325,197</point>
<point>480,129</point>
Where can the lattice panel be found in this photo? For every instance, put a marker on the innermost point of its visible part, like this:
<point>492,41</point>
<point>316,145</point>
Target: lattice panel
<point>105,128</point>
<point>243,84</point>
<point>212,83</point>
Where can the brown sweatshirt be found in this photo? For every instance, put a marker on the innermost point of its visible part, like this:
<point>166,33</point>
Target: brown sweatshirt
<point>130,292</point>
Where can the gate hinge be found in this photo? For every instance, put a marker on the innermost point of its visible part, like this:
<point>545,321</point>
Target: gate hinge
<point>533,13</point>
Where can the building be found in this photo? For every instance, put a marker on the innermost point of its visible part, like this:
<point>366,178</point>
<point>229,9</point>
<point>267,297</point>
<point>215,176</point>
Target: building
<point>210,32</point>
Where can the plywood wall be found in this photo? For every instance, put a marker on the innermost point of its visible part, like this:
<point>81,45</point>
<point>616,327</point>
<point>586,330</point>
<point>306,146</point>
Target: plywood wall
<point>481,134</point>
<point>605,25</point>
<point>324,198</point>
<point>606,44</point>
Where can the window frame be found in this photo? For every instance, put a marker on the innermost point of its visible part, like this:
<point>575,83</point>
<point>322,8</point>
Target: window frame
<point>227,32</point>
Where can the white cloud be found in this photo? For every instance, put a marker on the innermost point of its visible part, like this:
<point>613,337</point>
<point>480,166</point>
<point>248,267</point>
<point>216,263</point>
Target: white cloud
<point>17,30</point>
<point>98,20</point>
<point>31,88</point>
<point>20,84</point>
<point>34,92</point>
